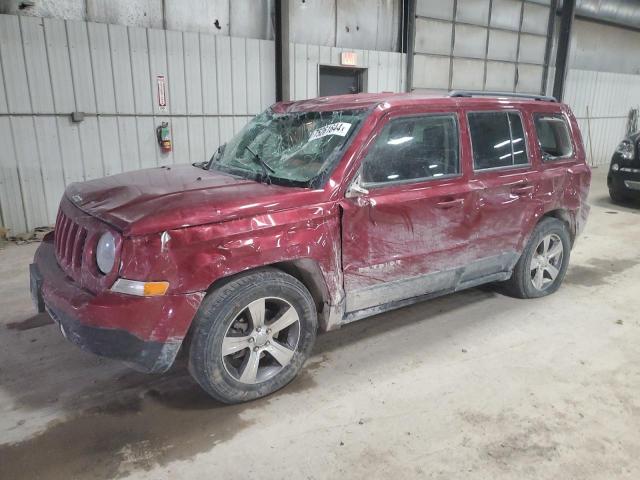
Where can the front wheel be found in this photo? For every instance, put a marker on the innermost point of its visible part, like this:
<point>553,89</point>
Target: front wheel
<point>544,261</point>
<point>252,335</point>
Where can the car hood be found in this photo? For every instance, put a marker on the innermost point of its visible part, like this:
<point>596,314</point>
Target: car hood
<point>165,198</point>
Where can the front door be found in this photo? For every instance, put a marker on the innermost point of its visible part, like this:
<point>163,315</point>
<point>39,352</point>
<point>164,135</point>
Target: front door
<point>405,232</point>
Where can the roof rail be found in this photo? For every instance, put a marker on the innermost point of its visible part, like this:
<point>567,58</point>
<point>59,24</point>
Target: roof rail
<point>482,93</point>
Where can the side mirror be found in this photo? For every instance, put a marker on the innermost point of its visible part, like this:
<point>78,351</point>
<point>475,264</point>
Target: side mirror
<point>355,189</point>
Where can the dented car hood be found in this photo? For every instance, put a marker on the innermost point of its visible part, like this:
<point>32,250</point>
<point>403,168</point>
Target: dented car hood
<point>166,198</point>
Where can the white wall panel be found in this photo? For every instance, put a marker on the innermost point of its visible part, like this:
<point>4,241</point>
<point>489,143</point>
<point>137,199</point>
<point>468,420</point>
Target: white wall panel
<point>435,8</point>
<point>192,75</point>
<point>601,102</point>
<point>81,70</point>
<point>431,72</point>
<point>433,36</point>
<point>176,80</point>
<point>69,138</point>
<point>267,73</point>
<point>128,137</point>
<point>110,144</point>
<point>506,14</point>
<point>51,68</point>
<point>502,45</point>
<point>51,163</point>
<point>208,66</point>
<point>11,205</point>
<point>121,66</point>
<point>35,55</point>
<point>529,78</point>
<point>139,54</point>
<point>226,129</point>
<point>467,74</point>
<point>252,63</point>
<point>500,76</point>
<point>15,74</point>
<point>473,11</point>
<point>239,75</point>
<point>101,63</point>
<point>90,146</point>
<point>196,139</point>
<point>485,32</point>
<point>157,65</point>
<point>223,54</point>
<point>470,41</point>
<point>28,162</point>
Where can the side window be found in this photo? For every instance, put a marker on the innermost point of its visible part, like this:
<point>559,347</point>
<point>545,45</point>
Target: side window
<point>498,140</point>
<point>413,148</point>
<point>553,136</point>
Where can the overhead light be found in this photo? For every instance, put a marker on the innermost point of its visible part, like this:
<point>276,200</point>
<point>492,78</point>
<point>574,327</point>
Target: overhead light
<point>399,140</point>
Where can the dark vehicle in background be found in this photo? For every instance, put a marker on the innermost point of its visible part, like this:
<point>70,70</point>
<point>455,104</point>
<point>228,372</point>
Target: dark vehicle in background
<point>318,213</point>
<point>623,179</point>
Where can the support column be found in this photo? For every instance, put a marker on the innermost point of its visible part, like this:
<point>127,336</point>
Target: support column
<point>283,89</point>
<point>562,53</point>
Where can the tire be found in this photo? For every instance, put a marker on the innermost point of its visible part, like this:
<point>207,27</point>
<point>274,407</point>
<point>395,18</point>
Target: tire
<point>225,323</point>
<point>617,197</point>
<point>525,281</point>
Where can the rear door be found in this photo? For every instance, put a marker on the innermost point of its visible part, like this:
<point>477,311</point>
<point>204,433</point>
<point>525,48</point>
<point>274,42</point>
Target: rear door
<point>406,231</point>
<point>505,183</point>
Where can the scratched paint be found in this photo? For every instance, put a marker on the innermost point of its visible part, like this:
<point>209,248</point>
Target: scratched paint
<point>192,227</point>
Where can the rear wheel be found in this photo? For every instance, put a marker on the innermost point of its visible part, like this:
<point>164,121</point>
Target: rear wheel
<point>543,263</point>
<point>252,335</point>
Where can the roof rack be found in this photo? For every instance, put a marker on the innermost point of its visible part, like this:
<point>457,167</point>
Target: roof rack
<point>482,93</point>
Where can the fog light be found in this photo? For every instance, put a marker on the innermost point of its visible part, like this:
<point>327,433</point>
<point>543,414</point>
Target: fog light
<point>615,167</point>
<point>141,289</point>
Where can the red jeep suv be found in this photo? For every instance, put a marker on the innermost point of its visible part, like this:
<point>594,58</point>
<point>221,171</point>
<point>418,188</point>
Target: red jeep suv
<point>316,214</point>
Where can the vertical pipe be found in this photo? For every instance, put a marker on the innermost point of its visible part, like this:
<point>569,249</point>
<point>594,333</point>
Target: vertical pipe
<point>547,51</point>
<point>562,54</point>
<point>410,25</point>
<point>277,34</point>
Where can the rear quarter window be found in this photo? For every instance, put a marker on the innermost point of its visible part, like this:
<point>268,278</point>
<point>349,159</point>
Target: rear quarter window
<point>553,136</point>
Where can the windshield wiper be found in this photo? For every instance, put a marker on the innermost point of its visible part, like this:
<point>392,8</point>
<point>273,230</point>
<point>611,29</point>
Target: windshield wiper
<point>266,168</point>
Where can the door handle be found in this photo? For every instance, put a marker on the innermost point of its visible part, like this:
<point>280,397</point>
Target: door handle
<point>522,190</point>
<point>456,202</point>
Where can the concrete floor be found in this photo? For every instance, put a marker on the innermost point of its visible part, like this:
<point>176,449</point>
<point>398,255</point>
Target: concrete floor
<point>474,385</point>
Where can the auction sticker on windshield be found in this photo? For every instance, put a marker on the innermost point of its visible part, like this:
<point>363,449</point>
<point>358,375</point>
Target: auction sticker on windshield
<point>340,128</point>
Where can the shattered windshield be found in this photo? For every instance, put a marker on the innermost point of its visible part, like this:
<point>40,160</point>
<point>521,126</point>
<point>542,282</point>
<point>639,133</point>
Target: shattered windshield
<point>289,148</point>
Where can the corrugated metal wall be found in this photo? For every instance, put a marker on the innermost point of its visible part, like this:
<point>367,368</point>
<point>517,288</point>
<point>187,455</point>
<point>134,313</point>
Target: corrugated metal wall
<point>385,70</point>
<point>601,102</point>
<point>50,68</point>
<point>480,45</point>
<point>603,84</point>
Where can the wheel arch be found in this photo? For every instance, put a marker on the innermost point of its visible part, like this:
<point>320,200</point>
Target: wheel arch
<point>564,216</point>
<point>306,270</point>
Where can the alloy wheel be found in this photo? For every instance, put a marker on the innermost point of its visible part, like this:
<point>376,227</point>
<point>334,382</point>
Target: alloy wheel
<point>261,340</point>
<point>546,261</point>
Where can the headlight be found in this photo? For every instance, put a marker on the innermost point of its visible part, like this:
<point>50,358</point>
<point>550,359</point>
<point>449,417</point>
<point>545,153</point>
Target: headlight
<point>626,149</point>
<point>106,253</point>
<point>615,167</point>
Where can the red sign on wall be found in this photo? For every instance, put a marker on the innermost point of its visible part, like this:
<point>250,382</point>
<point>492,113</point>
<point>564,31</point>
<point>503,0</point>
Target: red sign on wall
<point>348,58</point>
<point>162,92</point>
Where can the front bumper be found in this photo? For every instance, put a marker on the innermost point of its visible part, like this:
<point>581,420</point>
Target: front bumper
<point>146,332</point>
<point>626,180</point>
